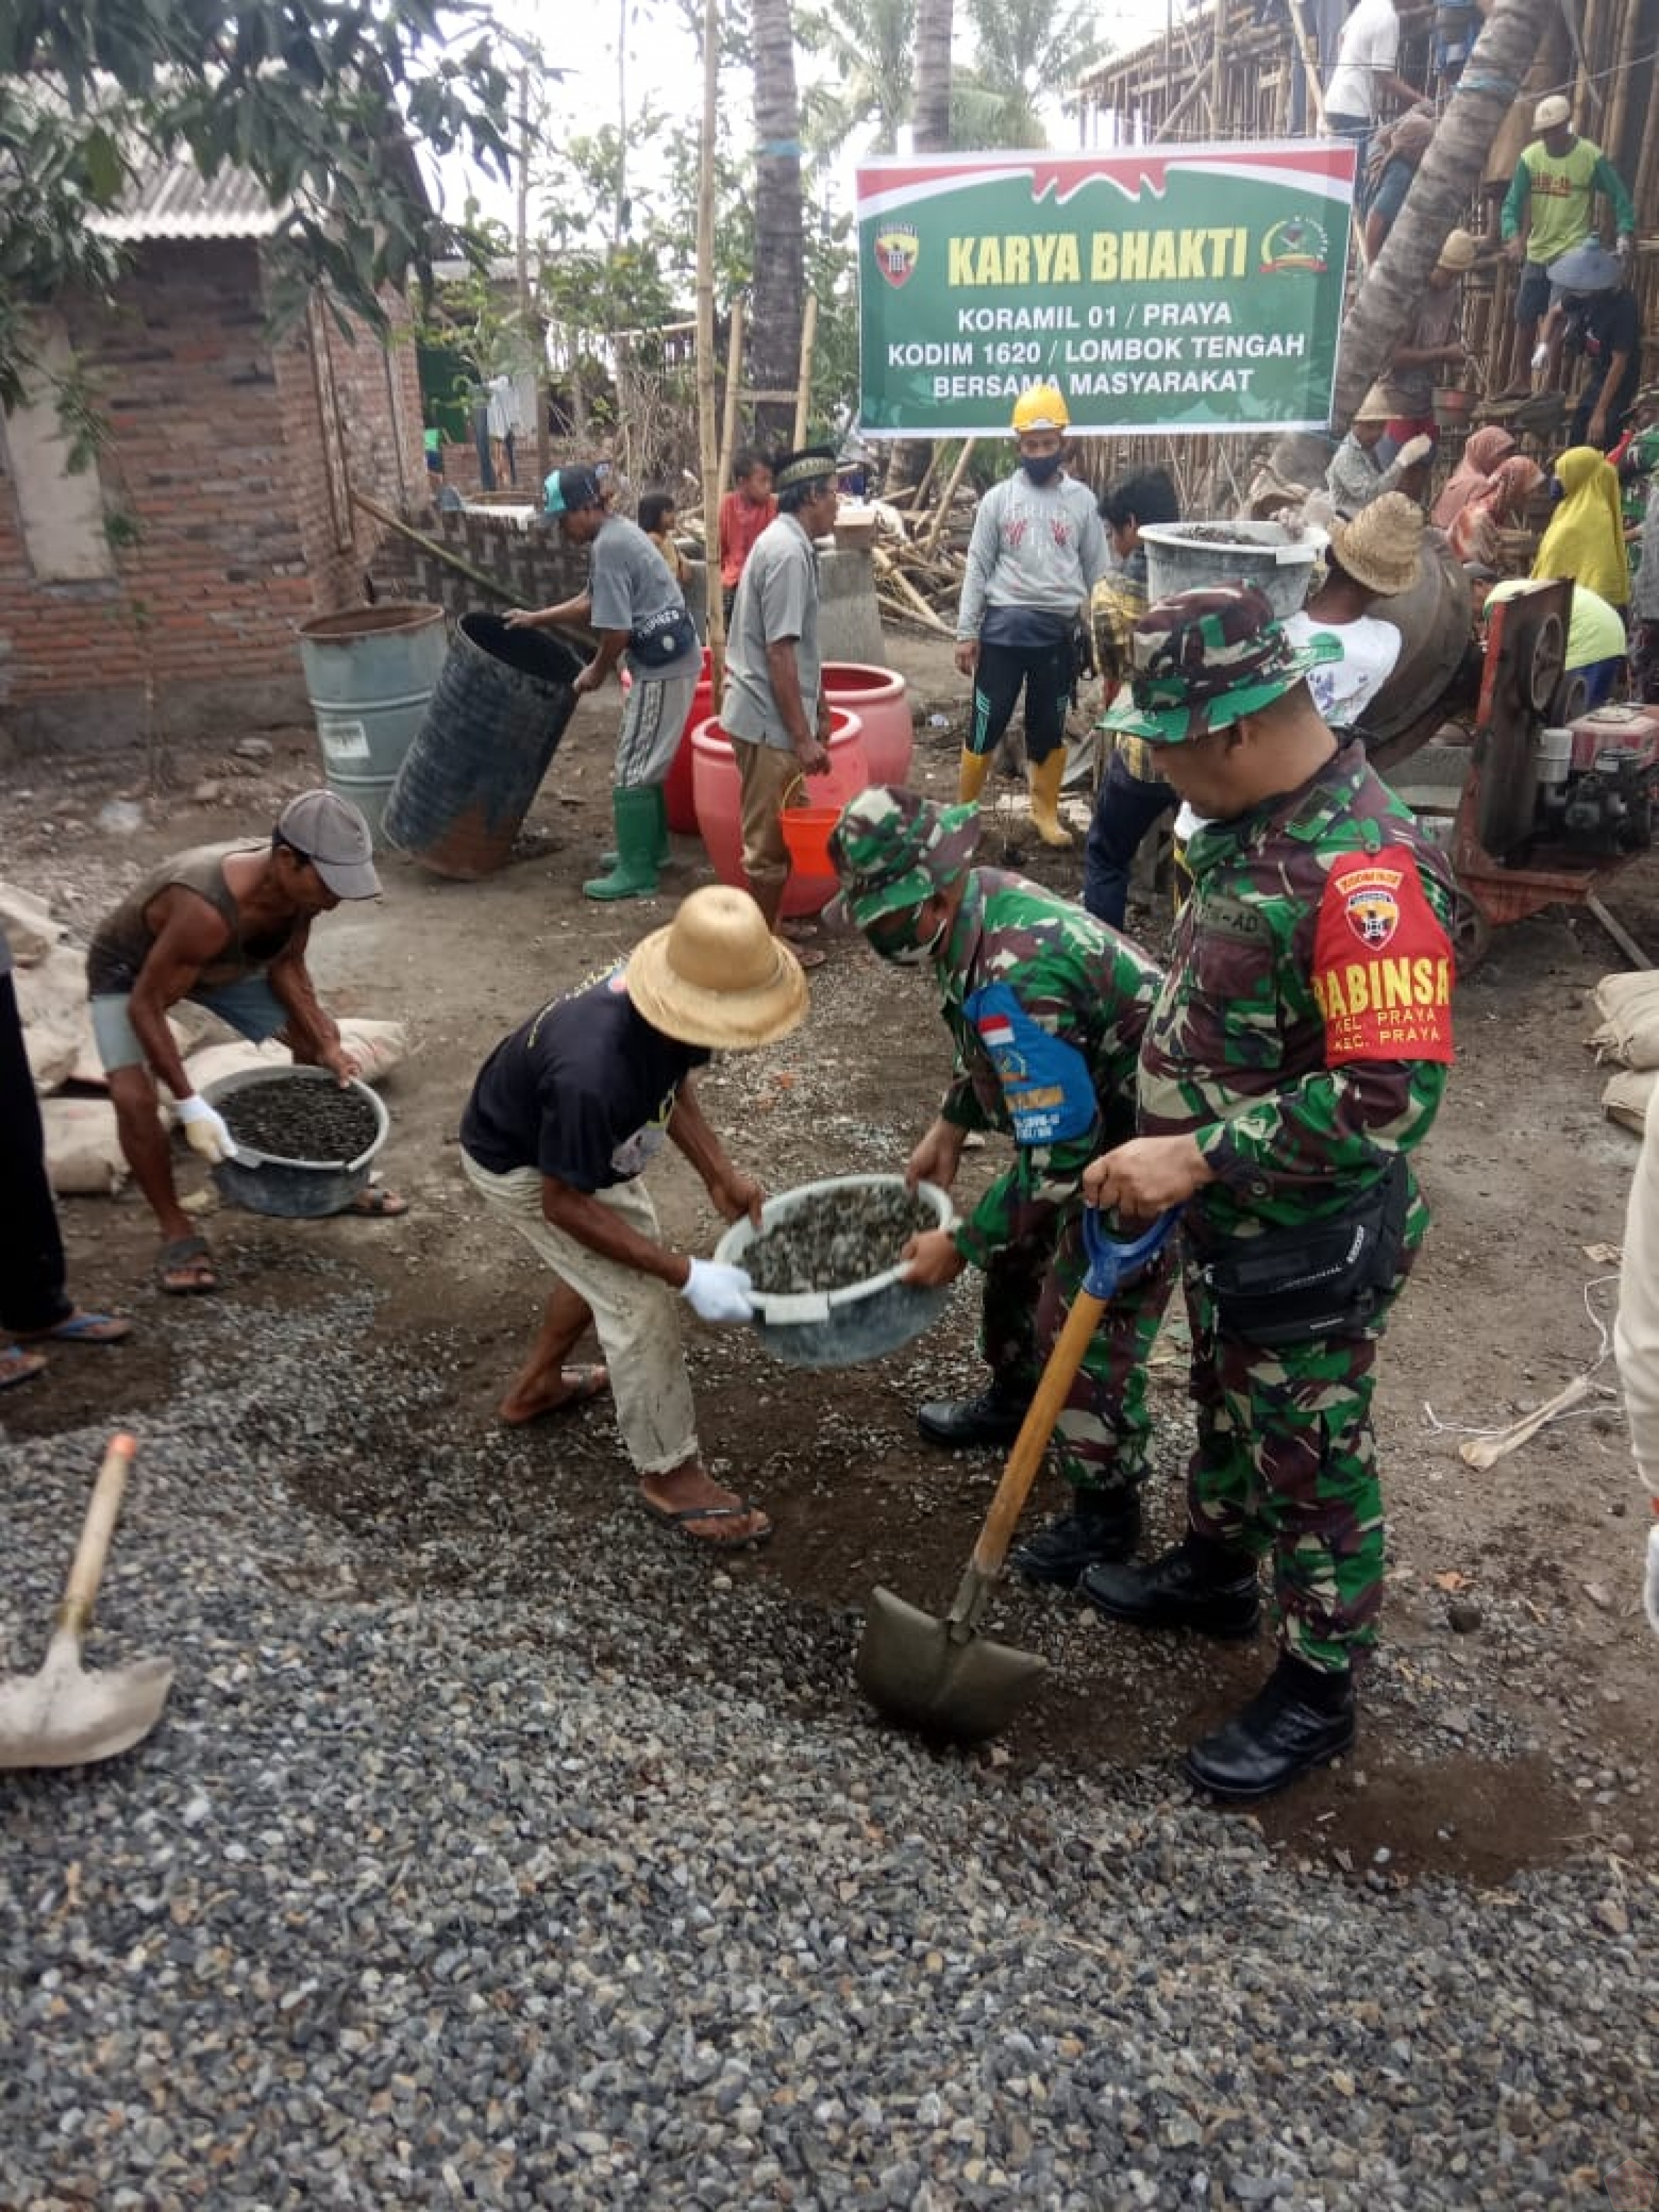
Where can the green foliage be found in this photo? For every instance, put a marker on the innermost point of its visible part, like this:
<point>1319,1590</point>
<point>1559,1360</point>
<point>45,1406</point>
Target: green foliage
<point>302,94</point>
<point>869,48</point>
<point>1025,51</point>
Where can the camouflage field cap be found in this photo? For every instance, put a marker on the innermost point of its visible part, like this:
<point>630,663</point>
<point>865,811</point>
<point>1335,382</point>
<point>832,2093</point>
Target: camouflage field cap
<point>1199,660</point>
<point>893,849</point>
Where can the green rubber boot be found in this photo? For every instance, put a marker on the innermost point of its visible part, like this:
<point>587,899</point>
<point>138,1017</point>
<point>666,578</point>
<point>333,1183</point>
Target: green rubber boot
<point>665,851</point>
<point>634,876</point>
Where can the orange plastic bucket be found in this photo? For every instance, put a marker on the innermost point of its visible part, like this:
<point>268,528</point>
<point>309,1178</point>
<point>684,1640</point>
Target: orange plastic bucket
<point>807,838</point>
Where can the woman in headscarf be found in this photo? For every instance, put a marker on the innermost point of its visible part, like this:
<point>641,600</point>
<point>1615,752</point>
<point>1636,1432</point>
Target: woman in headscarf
<point>1392,162</point>
<point>1481,455</point>
<point>1586,537</point>
<point>1501,503</point>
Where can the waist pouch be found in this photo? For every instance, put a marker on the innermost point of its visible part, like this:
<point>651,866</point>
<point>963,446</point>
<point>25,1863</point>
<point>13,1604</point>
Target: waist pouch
<point>1296,1286</point>
<point>669,635</point>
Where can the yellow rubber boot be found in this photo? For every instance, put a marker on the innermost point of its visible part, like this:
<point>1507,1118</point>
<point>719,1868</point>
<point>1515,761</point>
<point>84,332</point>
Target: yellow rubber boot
<point>1045,798</point>
<point>970,776</point>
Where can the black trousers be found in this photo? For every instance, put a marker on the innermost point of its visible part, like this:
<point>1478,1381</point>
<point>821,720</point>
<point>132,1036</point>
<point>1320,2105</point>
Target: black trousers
<point>1048,672</point>
<point>32,1294</point>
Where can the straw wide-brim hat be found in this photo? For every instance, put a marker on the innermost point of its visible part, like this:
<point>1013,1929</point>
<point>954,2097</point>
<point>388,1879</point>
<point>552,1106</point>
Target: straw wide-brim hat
<point>1374,407</point>
<point>717,975</point>
<point>1382,547</point>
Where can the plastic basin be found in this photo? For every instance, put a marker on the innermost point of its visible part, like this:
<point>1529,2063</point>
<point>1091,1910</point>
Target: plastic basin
<point>294,1190</point>
<point>1260,553</point>
<point>863,1321</point>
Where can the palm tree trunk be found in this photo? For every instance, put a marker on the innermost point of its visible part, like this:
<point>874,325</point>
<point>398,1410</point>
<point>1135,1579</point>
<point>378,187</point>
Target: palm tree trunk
<point>930,133</point>
<point>931,123</point>
<point>1387,301</point>
<point>774,342</point>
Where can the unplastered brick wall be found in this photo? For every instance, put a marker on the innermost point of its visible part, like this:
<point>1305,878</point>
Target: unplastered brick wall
<point>224,478</point>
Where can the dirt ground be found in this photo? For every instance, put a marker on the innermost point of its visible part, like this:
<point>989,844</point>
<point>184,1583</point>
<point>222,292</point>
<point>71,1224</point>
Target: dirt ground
<point>1521,1735</point>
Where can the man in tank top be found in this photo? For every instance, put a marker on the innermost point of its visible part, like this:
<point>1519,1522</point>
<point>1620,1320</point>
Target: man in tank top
<point>226,927</point>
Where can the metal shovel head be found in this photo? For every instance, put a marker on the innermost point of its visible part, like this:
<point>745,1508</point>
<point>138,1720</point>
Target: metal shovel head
<point>64,1717</point>
<point>940,1679</point>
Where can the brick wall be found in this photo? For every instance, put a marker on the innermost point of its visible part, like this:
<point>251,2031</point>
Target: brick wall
<point>229,456</point>
<point>529,568</point>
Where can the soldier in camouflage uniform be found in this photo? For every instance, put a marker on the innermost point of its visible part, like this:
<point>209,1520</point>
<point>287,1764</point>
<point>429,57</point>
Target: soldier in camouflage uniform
<point>1298,1050</point>
<point>1045,1007</point>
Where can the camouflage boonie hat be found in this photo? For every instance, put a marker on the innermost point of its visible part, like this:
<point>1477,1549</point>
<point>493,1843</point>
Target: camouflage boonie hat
<point>1199,660</point>
<point>893,849</point>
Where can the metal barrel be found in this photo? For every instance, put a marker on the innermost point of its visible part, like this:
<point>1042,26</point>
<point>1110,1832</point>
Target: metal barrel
<point>497,715</point>
<point>369,676</point>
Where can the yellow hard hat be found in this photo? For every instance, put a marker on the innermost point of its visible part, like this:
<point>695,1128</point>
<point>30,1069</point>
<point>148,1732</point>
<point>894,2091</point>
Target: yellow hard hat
<point>1042,408</point>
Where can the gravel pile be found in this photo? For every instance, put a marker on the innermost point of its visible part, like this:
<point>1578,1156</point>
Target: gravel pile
<point>477,1879</point>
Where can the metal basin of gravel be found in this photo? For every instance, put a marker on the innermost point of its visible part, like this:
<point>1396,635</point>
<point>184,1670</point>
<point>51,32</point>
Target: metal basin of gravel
<point>831,1228</point>
<point>289,1108</point>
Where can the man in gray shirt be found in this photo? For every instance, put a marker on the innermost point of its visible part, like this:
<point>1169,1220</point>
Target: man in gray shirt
<point>774,708</point>
<point>640,612</point>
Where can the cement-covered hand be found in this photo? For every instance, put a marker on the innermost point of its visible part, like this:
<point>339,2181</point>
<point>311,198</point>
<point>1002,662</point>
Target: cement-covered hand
<point>716,1292</point>
<point>931,1259</point>
<point>206,1129</point>
<point>1415,450</point>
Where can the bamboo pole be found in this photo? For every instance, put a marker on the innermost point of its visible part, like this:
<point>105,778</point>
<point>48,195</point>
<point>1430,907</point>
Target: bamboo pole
<point>941,513</point>
<point>1612,143</point>
<point>809,338</point>
<point>887,569</point>
<point>708,455</point>
<point>734,394</point>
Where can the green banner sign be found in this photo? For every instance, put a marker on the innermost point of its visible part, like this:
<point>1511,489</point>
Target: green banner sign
<point>1197,291</point>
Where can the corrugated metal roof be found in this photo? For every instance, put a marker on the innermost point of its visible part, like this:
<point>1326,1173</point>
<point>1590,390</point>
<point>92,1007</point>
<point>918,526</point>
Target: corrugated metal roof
<point>169,197</point>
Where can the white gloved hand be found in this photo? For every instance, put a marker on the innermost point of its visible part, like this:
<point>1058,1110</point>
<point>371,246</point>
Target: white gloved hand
<point>1414,450</point>
<point>1624,246</point>
<point>717,1292</point>
<point>205,1129</point>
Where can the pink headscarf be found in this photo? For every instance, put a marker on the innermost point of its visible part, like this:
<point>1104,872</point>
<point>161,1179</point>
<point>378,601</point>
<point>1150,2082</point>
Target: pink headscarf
<point>1482,454</point>
<point>1474,531</point>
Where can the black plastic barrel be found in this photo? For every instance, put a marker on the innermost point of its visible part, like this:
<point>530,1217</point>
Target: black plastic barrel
<point>497,713</point>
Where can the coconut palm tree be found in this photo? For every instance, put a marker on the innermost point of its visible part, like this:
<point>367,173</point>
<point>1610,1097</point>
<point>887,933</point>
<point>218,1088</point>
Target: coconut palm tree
<point>930,120</point>
<point>1025,51</point>
<point>870,47</point>
<point>1441,191</point>
<point>774,329</point>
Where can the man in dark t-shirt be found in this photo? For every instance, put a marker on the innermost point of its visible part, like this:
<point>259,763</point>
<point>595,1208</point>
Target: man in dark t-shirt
<point>566,1114</point>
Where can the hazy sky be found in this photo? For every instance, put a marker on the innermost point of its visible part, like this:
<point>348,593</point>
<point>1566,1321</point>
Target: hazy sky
<point>661,64</point>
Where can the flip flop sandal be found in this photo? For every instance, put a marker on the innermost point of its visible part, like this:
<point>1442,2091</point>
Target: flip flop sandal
<point>186,1255</point>
<point>17,1366</point>
<point>376,1205</point>
<point>679,1521</point>
<point>586,1383</point>
<point>79,1328</point>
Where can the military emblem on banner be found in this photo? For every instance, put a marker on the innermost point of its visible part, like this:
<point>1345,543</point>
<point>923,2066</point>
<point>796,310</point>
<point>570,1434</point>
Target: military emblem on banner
<point>1372,902</point>
<point>898,248</point>
<point>1298,244</point>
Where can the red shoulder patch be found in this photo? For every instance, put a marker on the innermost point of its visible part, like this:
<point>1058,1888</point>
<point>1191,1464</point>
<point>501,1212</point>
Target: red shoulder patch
<point>1382,965</point>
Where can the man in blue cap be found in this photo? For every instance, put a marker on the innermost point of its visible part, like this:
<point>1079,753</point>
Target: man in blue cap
<point>640,612</point>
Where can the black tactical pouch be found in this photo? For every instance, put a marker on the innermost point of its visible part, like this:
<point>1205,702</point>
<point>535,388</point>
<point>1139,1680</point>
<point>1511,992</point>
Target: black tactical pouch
<point>1296,1286</point>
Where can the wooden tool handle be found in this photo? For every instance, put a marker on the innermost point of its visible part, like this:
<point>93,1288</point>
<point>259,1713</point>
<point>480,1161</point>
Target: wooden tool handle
<point>81,1591</point>
<point>1034,1430</point>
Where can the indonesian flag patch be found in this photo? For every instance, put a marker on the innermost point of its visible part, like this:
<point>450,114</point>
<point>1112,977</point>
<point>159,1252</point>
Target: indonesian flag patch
<point>1382,965</point>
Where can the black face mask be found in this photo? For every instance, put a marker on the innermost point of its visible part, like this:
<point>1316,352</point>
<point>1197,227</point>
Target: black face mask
<point>1040,466</point>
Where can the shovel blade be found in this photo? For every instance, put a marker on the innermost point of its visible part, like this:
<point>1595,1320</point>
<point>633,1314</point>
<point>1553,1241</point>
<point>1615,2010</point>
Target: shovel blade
<point>965,1688</point>
<point>63,1716</point>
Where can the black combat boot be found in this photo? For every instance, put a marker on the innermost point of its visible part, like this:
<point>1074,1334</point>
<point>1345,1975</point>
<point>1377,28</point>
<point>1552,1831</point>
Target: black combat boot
<point>1200,1584</point>
<point>1300,1718</point>
<point>992,1417</point>
<point>1103,1524</point>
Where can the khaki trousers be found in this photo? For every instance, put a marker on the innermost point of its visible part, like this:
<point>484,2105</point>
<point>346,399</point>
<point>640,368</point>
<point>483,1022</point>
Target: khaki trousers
<point>636,1317</point>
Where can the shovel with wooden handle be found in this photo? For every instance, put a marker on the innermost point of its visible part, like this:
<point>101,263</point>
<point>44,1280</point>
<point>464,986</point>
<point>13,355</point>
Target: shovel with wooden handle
<point>942,1676</point>
<point>64,1717</point>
